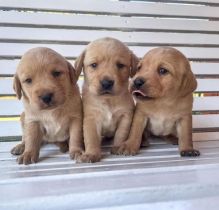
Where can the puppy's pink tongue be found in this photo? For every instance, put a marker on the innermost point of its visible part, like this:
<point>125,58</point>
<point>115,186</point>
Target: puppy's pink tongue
<point>138,92</point>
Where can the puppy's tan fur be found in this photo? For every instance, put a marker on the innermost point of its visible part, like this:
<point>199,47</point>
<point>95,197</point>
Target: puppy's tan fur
<point>165,109</point>
<point>59,121</point>
<point>105,115</point>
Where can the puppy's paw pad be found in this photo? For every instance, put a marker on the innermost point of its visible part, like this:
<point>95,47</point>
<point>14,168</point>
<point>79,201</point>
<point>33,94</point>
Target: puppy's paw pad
<point>190,153</point>
<point>18,149</point>
<point>127,149</point>
<point>88,158</point>
<point>28,158</point>
<point>75,154</point>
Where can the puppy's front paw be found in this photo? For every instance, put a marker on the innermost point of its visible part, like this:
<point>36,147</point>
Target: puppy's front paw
<point>28,158</point>
<point>75,154</point>
<point>190,153</point>
<point>115,150</point>
<point>127,149</point>
<point>18,149</point>
<point>88,158</point>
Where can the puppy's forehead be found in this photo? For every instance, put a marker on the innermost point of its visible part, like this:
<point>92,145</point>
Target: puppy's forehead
<point>164,55</point>
<point>107,47</point>
<point>41,59</point>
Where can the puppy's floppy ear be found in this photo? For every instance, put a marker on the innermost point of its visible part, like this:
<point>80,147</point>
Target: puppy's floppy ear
<point>189,82</point>
<point>134,64</point>
<point>79,63</point>
<point>17,86</point>
<point>72,73</point>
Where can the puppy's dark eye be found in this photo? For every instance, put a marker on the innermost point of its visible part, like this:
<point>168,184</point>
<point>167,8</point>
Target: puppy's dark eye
<point>120,65</point>
<point>28,80</point>
<point>162,71</point>
<point>94,65</point>
<point>56,73</point>
<point>138,68</point>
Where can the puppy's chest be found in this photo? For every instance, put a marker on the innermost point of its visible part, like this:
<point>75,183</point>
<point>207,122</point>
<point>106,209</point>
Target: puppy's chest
<point>161,126</point>
<point>54,130</point>
<point>109,122</point>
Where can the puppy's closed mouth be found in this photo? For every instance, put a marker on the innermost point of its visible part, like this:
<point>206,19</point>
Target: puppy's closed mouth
<point>48,107</point>
<point>106,93</point>
<point>140,95</point>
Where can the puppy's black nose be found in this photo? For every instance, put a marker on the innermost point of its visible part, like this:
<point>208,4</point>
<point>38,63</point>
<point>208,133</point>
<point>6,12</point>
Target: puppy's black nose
<point>138,82</point>
<point>107,84</point>
<point>47,98</point>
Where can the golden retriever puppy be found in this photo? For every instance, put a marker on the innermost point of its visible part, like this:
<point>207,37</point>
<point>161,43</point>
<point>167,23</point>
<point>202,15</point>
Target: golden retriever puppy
<point>108,106</point>
<point>46,82</point>
<point>162,87</point>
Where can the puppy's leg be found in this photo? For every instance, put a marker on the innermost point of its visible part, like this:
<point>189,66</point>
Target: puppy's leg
<point>19,148</point>
<point>122,132</point>
<point>33,139</point>
<point>92,141</point>
<point>132,145</point>
<point>76,138</point>
<point>184,131</point>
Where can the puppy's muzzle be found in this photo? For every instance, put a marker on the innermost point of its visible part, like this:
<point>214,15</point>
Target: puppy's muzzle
<point>107,84</point>
<point>46,98</point>
<point>138,83</point>
<point>138,91</point>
